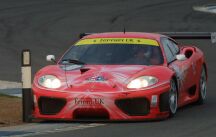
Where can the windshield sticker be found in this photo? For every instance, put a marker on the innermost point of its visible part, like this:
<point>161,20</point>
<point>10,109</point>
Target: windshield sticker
<point>117,41</point>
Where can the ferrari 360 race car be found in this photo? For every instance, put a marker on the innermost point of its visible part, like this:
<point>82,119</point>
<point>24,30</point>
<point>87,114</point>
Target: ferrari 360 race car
<point>120,76</point>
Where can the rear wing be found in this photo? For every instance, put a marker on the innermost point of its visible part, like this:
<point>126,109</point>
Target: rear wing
<point>179,35</point>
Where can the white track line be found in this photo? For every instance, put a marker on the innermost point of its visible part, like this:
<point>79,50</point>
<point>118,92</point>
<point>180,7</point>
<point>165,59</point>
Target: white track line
<point>207,9</point>
<point>58,129</point>
<point>10,88</point>
<point>9,85</point>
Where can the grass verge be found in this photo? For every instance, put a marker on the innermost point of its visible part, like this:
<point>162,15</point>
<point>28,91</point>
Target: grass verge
<point>10,110</point>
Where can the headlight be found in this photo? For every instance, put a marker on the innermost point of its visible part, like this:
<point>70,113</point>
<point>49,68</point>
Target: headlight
<point>49,81</point>
<point>142,82</point>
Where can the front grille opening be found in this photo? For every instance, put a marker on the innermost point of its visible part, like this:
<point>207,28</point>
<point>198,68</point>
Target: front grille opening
<point>134,106</point>
<point>90,114</point>
<point>51,106</point>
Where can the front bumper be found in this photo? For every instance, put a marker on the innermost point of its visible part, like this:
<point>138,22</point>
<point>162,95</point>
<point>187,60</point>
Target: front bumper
<point>122,105</point>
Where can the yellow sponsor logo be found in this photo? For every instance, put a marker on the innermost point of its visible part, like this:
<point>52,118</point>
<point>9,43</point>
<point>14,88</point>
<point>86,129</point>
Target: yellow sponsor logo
<point>117,41</point>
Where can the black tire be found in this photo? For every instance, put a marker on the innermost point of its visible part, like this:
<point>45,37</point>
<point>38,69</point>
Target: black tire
<point>173,98</point>
<point>202,87</point>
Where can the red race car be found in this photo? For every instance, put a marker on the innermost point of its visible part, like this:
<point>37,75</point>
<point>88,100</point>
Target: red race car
<point>120,76</point>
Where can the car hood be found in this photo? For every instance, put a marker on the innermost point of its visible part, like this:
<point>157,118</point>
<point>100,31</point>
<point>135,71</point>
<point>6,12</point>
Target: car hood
<point>93,77</point>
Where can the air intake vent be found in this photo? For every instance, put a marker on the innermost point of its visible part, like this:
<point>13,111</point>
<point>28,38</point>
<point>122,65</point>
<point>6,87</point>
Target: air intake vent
<point>91,114</point>
<point>51,106</point>
<point>134,106</point>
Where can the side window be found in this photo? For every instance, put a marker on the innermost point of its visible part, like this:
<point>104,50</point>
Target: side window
<point>173,46</point>
<point>166,45</point>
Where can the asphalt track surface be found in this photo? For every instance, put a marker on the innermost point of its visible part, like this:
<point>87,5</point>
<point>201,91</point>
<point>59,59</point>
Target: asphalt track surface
<point>51,26</point>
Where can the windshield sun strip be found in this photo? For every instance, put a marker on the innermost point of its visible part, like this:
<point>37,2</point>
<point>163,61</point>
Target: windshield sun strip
<point>137,41</point>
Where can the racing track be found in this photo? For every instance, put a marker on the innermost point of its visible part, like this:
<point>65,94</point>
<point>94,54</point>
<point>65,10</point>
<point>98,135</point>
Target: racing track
<point>50,26</point>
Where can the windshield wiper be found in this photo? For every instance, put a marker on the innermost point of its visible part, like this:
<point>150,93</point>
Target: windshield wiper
<point>74,61</point>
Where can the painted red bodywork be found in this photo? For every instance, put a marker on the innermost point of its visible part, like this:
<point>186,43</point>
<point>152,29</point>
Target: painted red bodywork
<point>187,74</point>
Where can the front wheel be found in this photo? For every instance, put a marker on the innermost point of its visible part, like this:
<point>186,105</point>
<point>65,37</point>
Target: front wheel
<point>173,98</point>
<point>202,87</point>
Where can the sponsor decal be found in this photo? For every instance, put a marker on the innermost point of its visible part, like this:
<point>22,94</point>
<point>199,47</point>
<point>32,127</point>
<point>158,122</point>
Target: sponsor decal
<point>88,101</point>
<point>181,73</point>
<point>140,41</point>
<point>194,67</point>
<point>96,79</point>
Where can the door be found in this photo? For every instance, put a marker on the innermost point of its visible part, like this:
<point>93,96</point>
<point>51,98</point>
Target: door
<point>183,69</point>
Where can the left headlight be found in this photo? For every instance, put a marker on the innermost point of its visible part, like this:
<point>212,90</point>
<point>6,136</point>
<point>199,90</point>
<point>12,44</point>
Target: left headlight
<point>49,81</point>
<point>142,82</point>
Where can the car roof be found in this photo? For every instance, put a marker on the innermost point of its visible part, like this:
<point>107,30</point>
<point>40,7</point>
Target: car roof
<point>124,35</point>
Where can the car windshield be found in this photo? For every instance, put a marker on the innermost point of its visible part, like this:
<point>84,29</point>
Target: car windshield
<point>113,54</point>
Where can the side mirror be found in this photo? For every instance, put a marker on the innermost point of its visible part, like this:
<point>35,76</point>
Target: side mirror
<point>51,58</point>
<point>181,57</point>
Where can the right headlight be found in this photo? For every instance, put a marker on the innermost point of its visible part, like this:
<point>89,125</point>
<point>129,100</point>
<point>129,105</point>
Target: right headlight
<point>142,82</point>
<point>49,81</point>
